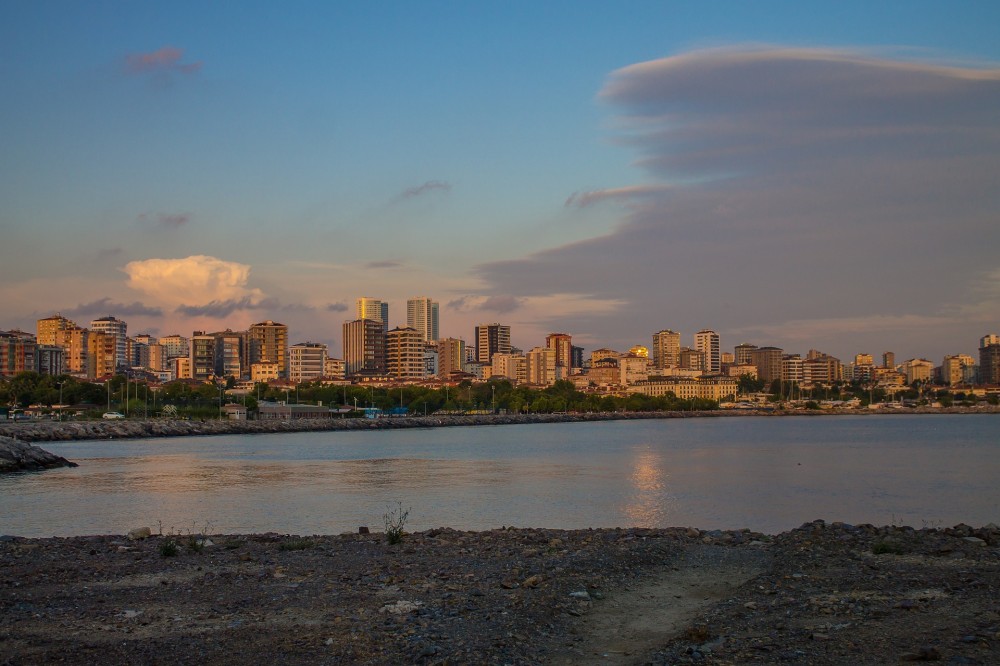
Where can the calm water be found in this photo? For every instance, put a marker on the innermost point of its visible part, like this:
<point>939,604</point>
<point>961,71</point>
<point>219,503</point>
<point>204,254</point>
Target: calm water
<point>768,474</point>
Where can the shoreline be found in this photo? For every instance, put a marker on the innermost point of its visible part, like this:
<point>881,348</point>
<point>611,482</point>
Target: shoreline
<point>48,431</point>
<point>823,593</point>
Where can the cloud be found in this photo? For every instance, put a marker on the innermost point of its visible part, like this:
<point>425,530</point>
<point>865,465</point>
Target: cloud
<point>165,59</point>
<point>337,307</point>
<point>429,186</point>
<point>383,264</point>
<point>784,185</point>
<point>105,306</point>
<point>216,309</point>
<point>164,220</point>
<point>589,198</point>
<point>501,304</point>
<point>197,281</point>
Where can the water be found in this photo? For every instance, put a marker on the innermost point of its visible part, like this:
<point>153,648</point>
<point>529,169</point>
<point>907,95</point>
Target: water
<point>768,474</point>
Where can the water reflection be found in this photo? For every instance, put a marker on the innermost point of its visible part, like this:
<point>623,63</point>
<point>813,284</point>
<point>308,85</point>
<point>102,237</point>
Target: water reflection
<point>647,505</point>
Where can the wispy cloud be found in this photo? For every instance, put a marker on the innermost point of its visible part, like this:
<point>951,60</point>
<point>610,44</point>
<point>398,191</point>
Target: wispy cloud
<point>429,186</point>
<point>165,220</point>
<point>106,306</point>
<point>383,264</point>
<point>164,59</point>
<point>629,193</point>
<point>337,307</point>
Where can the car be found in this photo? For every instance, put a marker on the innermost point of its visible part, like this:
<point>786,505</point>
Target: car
<point>111,416</point>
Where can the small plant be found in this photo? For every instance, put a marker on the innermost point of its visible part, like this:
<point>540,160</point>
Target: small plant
<point>168,547</point>
<point>394,520</point>
<point>887,547</point>
<point>194,543</point>
<point>295,544</point>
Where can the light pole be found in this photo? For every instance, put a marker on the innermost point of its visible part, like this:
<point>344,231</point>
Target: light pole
<point>493,399</point>
<point>60,399</point>
<point>221,388</point>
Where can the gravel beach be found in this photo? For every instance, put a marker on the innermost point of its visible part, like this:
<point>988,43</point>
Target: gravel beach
<point>819,594</point>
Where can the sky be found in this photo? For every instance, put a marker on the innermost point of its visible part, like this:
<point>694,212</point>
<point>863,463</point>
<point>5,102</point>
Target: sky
<point>806,175</point>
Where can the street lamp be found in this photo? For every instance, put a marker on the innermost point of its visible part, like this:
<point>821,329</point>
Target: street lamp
<point>221,388</point>
<point>493,399</point>
<point>60,399</point>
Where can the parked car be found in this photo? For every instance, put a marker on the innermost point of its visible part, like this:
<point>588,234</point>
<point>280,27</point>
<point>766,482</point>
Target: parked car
<point>111,416</point>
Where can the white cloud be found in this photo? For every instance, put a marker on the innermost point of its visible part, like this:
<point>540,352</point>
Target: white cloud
<point>197,280</point>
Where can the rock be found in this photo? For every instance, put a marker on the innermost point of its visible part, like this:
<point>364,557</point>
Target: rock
<point>364,530</point>
<point>923,654</point>
<point>532,581</point>
<point>583,594</point>
<point>974,540</point>
<point>139,533</point>
<point>401,607</point>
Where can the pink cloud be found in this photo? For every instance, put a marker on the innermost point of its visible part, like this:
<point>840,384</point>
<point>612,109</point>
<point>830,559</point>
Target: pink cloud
<point>165,59</point>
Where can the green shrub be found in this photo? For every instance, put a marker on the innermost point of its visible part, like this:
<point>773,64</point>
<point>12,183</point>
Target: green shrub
<point>394,520</point>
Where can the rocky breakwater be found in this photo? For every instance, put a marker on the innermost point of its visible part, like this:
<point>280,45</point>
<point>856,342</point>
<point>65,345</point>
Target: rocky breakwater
<point>48,431</point>
<point>17,456</point>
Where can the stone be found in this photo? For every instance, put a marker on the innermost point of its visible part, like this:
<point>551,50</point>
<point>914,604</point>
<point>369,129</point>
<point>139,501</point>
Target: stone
<point>139,533</point>
<point>364,530</point>
<point>583,594</point>
<point>532,581</point>
<point>974,540</point>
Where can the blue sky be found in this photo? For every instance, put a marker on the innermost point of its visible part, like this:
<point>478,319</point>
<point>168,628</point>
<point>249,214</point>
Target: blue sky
<point>807,175</point>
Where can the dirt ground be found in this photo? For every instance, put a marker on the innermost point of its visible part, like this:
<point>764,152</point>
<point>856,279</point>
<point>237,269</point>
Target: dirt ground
<point>820,594</point>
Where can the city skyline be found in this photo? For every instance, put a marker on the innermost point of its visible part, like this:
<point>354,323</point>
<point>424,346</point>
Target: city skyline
<point>799,177</point>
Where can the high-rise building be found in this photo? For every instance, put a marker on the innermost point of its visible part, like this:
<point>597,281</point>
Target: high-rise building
<point>666,348</point>
<point>562,344</point>
<point>451,356</point>
<point>511,366</point>
<point>888,360</point>
<point>958,369</point>
<point>743,353</point>
<point>691,359</point>
<point>364,347</point>
<point>175,346</point>
<point>76,343</point>
<point>373,308</point>
<point>101,354</point>
<point>230,354</point>
<point>48,328</point>
<point>267,342</point>
<point>708,342</point>
<point>767,360</point>
<point>119,330</point>
<point>422,315</point>
<point>989,359</point>
<point>541,366</point>
<point>17,353</point>
<point>491,339</point>
<point>306,361</point>
<point>50,359</point>
<point>405,353</point>
<point>202,356</point>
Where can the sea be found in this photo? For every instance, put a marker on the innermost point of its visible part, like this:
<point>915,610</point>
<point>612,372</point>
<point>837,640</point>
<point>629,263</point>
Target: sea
<point>768,474</point>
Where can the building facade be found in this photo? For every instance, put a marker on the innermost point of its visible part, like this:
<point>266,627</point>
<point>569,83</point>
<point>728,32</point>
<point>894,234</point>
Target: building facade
<point>306,362</point>
<point>422,315</point>
<point>118,329</point>
<point>364,347</point>
<point>491,339</point>
<point>708,343</point>
<point>405,353</point>
<point>666,349</point>
<point>267,342</point>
